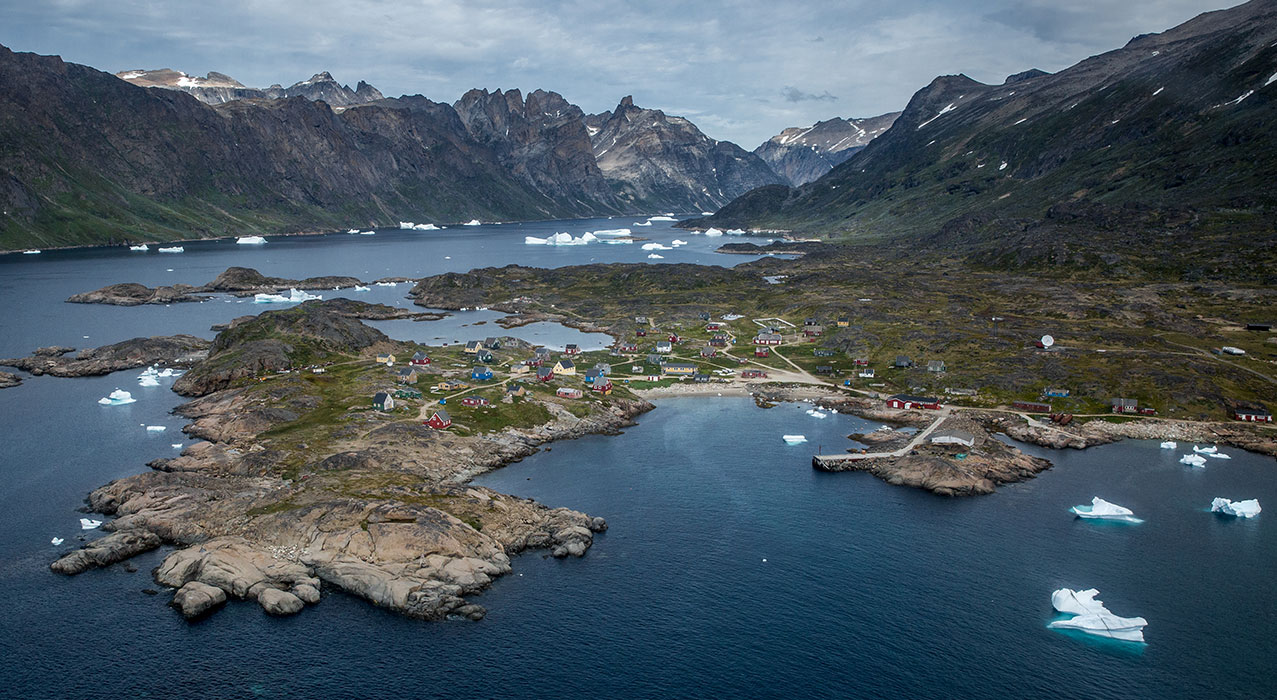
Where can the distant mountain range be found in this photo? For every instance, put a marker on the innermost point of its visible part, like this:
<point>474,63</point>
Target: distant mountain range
<point>1159,156</point>
<point>802,154</point>
<point>216,88</point>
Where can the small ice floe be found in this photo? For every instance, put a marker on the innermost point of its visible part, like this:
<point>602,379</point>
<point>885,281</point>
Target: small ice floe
<point>561,239</point>
<point>473,222</point>
<point>1206,450</point>
<point>794,439</point>
<point>1218,455</point>
<point>1091,617</point>
<point>355,230</point>
<point>1101,509</point>
<point>707,213</point>
<point>1241,509</point>
<point>1169,445</point>
<point>656,246</point>
<point>148,380</point>
<point>31,252</point>
<point>86,524</point>
<point>712,232</point>
<point>155,428</point>
<point>173,249</point>
<point>735,232</point>
<point>139,248</point>
<point>362,288</point>
<point>816,413</point>
<point>250,240</point>
<point>655,256</point>
<point>676,243</point>
<point>642,223</point>
<point>176,445</point>
<point>56,541</point>
<point>612,232</point>
<point>447,257</point>
<point>367,233</point>
<point>1193,460</point>
<point>386,284</point>
<point>425,227</point>
<point>666,217</point>
<point>294,296</point>
<point>118,397</point>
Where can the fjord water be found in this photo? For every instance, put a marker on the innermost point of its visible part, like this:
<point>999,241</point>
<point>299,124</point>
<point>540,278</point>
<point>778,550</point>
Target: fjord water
<point>867,589</point>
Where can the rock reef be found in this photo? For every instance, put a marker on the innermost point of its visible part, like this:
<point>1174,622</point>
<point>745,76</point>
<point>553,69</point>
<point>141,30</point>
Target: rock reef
<point>170,350</point>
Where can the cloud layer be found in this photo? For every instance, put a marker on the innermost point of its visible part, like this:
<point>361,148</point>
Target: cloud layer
<point>741,69</point>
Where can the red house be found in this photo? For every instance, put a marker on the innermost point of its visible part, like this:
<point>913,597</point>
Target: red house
<point>1252,415</point>
<point>906,401</point>
<point>862,363</point>
<point>439,420</point>
<point>673,337</point>
<point>571,349</point>
<point>419,359</point>
<point>767,339</point>
<point>545,374</point>
<point>713,326</point>
<point>762,352</point>
<point>602,385</point>
<point>642,332</point>
<point>753,374</point>
<point>629,347</point>
<point>474,401</point>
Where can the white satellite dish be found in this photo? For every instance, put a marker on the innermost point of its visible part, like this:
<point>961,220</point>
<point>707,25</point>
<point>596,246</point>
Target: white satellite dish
<point>1047,341</point>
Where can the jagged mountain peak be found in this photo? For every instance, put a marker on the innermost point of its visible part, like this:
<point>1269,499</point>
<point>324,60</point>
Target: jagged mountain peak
<point>802,154</point>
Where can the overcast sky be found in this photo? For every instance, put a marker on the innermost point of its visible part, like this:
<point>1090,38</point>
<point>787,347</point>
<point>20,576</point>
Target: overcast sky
<point>742,70</point>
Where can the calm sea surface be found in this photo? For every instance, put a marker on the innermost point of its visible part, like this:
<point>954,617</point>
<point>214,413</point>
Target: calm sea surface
<point>731,568</point>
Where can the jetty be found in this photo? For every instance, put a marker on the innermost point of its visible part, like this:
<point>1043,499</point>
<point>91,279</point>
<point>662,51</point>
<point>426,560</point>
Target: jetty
<point>828,462</point>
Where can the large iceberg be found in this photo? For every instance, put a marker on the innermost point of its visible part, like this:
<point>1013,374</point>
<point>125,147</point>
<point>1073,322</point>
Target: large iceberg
<point>655,256</point>
<point>402,225</point>
<point>612,232</point>
<point>676,243</point>
<point>118,397</point>
<point>1101,509</point>
<point>1241,509</point>
<point>294,296</point>
<point>148,380</point>
<point>139,248</point>
<point>642,223</point>
<point>712,232</point>
<point>666,217</point>
<point>1193,460</point>
<point>250,240</point>
<point>562,239</point>
<point>360,288</point>
<point>473,222</point>
<point>425,227</point>
<point>735,232</point>
<point>1091,617</point>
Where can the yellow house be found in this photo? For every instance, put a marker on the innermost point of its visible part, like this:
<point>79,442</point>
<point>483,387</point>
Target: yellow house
<point>565,368</point>
<point>385,358</point>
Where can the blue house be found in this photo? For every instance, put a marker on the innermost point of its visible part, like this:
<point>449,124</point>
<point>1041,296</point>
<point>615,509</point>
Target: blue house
<point>481,373</point>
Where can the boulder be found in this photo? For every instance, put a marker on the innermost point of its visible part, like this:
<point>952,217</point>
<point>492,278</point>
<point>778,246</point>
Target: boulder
<point>277,602</point>
<point>195,599</point>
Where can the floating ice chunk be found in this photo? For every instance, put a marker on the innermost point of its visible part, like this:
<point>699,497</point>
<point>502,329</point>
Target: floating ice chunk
<point>86,524</point>
<point>1206,450</point>
<point>794,439</point>
<point>707,213</point>
<point>1218,455</point>
<point>31,252</point>
<point>816,413</point>
<point>149,372</point>
<point>294,296</point>
<point>56,541</point>
<point>676,243</point>
<point>712,232</point>
<point>1101,509</point>
<point>666,217</point>
<point>1092,617</point>
<point>148,380</point>
<point>176,445</point>
<point>655,256</point>
<point>1169,445</point>
<point>361,288</point>
<point>425,227</point>
<point>386,284</point>
<point>1193,460</point>
<point>642,223</point>
<point>656,246</point>
<point>534,240</point>
<point>401,225</point>
<point>473,222</point>
<point>612,232</point>
<point>155,428</point>
<point>1241,509</point>
<point>618,241</point>
<point>118,397</point>
<point>139,248</point>
<point>166,372</point>
<point>735,232</point>
<point>250,240</point>
<point>173,249</point>
<point>367,233</point>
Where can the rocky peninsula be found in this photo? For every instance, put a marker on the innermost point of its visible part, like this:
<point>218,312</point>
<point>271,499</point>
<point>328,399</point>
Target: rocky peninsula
<point>179,351</point>
<point>299,483</point>
<point>238,281</point>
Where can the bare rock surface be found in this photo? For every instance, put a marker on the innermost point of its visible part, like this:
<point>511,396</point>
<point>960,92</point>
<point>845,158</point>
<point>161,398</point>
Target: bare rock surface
<point>169,350</point>
<point>116,546</point>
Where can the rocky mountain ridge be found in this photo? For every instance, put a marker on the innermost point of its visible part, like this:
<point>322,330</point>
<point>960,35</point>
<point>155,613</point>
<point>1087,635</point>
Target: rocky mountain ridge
<point>217,88</point>
<point>803,154</point>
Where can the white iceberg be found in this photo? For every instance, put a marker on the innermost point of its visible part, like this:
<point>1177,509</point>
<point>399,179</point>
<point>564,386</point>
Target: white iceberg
<point>1241,509</point>
<point>176,445</point>
<point>642,223</point>
<point>1101,509</point>
<point>56,541</point>
<point>815,413</point>
<point>618,241</point>
<point>1169,445</point>
<point>386,284</point>
<point>425,227</point>
<point>712,232</point>
<point>250,240</point>
<point>794,439</point>
<point>166,372</point>
<point>118,397</point>
<point>173,249</point>
<point>735,232</point>
<point>707,213</point>
<point>1218,455</point>
<point>139,248</point>
<point>155,428</point>
<point>148,380</point>
<point>1206,450</point>
<point>367,233</point>
<point>666,217</point>
<point>355,230</point>
<point>473,222</point>
<point>676,243</point>
<point>31,252</point>
<point>656,246</point>
<point>294,296</point>
<point>361,288</point>
<point>1193,460</point>
<point>1091,617</point>
<point>86,524</point>
<point>612,232</point>
<point>655,256</point>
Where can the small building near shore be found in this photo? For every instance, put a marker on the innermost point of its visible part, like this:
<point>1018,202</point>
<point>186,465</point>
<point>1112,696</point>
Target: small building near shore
<point>953,437</point>
<point>906,401</point>
<point>1252,415</point>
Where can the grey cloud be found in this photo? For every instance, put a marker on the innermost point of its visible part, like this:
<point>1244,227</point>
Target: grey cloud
<point>793,94</point>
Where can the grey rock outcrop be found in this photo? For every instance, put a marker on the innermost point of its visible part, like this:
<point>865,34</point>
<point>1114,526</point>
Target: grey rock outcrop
<point>170,350</point>
<point>195,599</point>
<point>116,546</point>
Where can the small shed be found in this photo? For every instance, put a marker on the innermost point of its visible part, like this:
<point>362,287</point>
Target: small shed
<point>474,401</point>
<point>936,366</point>
<point>571,349</point>
<point>843,322</point>
<point>762,351</point>
<point>953,437</point>
<point>385,358</point>
<point>515,389</point>
<point>700,377</point>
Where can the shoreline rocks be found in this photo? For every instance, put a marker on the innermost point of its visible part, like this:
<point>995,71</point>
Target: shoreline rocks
<point>168,350</point>
<point>108,550</point>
